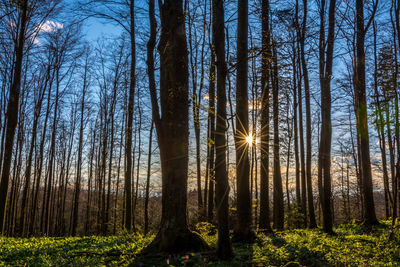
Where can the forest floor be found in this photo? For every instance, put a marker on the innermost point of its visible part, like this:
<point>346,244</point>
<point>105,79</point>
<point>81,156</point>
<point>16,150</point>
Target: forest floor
<point>353,245</point>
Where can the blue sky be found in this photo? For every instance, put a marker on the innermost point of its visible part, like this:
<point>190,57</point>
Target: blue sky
<point>96,28</point>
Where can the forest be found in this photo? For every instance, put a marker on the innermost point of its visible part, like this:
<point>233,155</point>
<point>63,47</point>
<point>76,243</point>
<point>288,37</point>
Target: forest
<point>199,132</point>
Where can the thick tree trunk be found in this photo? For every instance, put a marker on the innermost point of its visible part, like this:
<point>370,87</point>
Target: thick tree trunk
<point>224,247</point>
<point>243,230</point>
<point>173,133</point>
<point>12,113</point>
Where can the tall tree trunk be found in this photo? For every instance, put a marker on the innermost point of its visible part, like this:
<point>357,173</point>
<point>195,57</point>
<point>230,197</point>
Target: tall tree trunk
<point>12,112</point>
<point>264,219</point>
<point>147,190</point>
<point>196,94</point>
<point>302,173</point>
<point>74,220</point>
<point>362,115</point>
<point>278,190</point>
<point>211,141</point>
<point>224,247</point>
<point>324,158</point>
<point>295,129</point>
<point>289,136</point>
<point>44,223</point>
<point>25,192</point>
<point>173,132</point>
<point>90,177</point>
<point>35,196</point>
<point>380,125</point>
<point>243,230</point>
<point>310,198</point>
<point>129,219</point>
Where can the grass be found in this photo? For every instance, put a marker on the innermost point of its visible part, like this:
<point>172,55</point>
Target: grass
<point>353,245</point>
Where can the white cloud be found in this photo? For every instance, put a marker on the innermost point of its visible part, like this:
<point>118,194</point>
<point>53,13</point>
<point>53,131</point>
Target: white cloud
<point>49,26</point>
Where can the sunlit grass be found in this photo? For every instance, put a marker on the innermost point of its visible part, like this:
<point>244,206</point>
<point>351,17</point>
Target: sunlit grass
<point>353,245</point>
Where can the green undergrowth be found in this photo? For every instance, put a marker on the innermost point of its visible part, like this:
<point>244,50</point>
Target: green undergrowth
<point>352,245</point>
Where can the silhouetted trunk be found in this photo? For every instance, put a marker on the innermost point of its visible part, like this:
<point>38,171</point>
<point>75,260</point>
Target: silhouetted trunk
<point>396,183</point>
<point>224,247</point>
<point>74,220</point>
<point>196,94</point>
<point>310,198</point>
<point>129,220</point>
<point>243,230</point>
<point>264,219</point>
<point>362,115</point>
<point>380,125</point>
<point>12,112</point>
<point>324,157</point>
<point>44,222</point>
<point>147,190</point>
<point>295,129</point>
<point>173,132</point>
<point>35,197</point>
<point>150,72</point>
<point>211,141</point>
<point>289,136</point>
<point>300,129</point>
<point>278,190</point>
<point>90,178</point>
<point>25,192</point>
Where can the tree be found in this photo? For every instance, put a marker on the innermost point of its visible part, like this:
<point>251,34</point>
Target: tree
<point>173,132</point>
<point>129,218</point>
<point>362,114</point>
<point>243,231</point>
<point>74,218</point>
<point>224,247</point>
<point>324,157</point>
<point>264,219</point>
<point>12,111</point>
<point>310,199</point>
<point>278,190</point>
<point>150,72</point>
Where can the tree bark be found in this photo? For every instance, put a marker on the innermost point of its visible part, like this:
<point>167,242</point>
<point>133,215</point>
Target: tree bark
<point>12,112</point>
<point>310,199</point>
<point>266,57</point>
<point>278,189</point>
<point>369,215</point>
<point>224,247</point>
<point>324,158</point>
<point>173,133</point>
<point>243,231</point>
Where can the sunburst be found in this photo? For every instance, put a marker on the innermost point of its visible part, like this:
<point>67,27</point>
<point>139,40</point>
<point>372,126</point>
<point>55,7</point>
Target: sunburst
<point>249,140</point>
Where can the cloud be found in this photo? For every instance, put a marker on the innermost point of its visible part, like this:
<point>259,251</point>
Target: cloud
<point>49,26</point>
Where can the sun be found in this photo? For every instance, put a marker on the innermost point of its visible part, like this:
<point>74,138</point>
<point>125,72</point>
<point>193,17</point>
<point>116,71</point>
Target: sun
<point>249,139</point>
